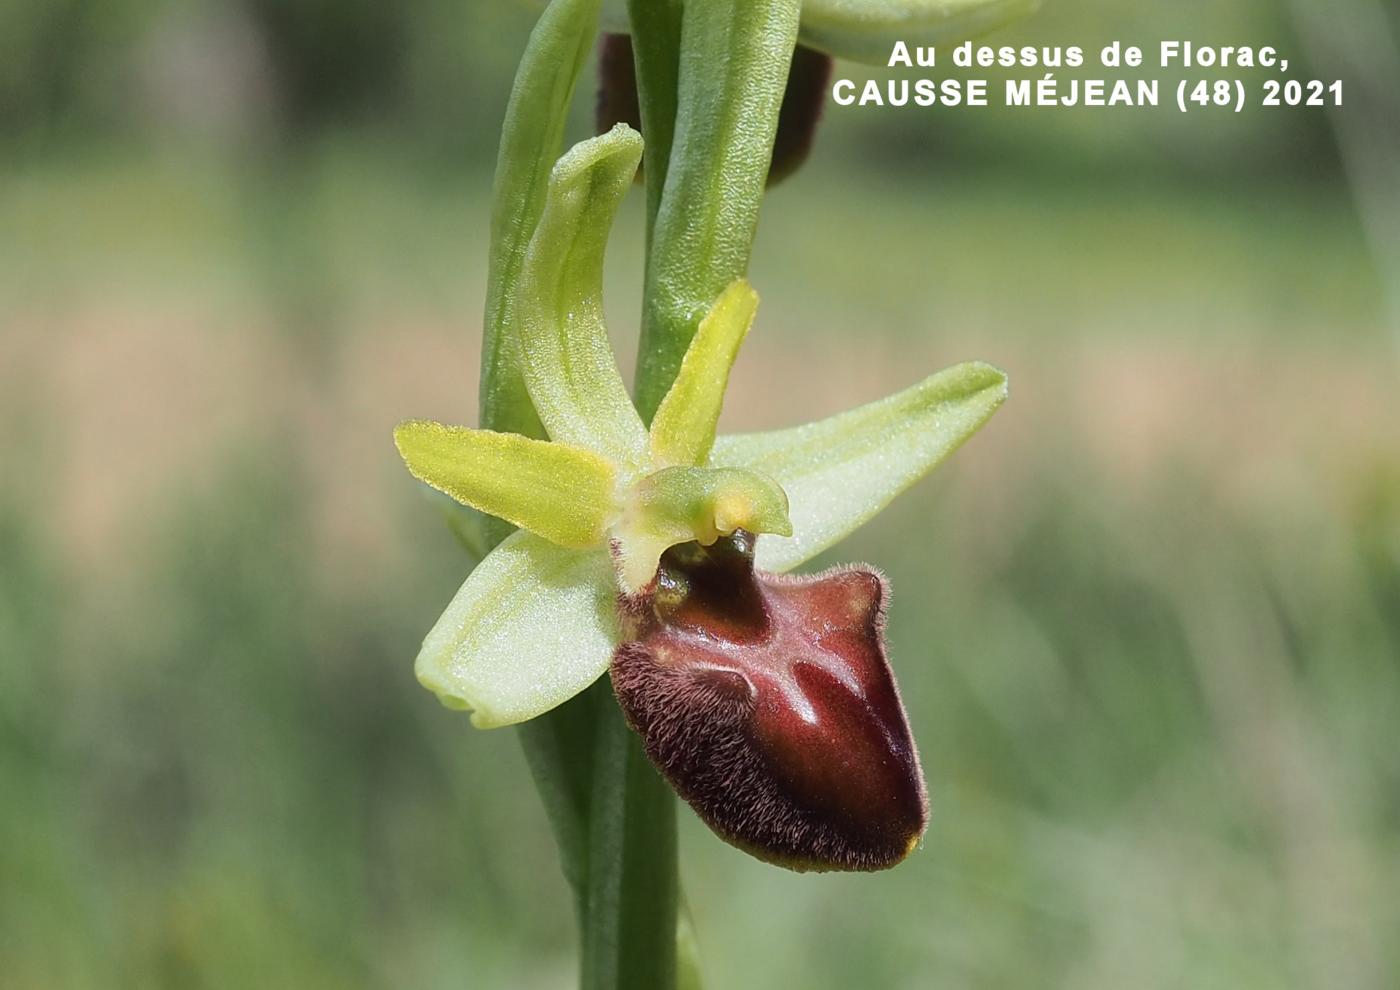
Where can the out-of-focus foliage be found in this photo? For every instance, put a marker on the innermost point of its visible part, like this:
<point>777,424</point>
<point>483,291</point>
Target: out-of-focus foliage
<point>271,72</point>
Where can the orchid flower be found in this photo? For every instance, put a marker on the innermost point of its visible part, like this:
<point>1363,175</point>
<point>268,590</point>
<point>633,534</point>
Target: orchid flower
<point>657,551</point>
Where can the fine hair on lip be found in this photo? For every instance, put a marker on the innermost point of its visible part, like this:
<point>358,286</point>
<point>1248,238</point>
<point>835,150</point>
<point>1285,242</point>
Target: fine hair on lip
<point>768,704</point>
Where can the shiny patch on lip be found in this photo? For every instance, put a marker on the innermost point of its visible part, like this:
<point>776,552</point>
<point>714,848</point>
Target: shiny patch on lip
<point>768,703</point>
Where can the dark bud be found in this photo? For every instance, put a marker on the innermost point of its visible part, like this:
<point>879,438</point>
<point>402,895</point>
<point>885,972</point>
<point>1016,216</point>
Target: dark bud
<point>617,87</point>
<point>769,705</point>
<point>808,81</point>
<point>803,99</point>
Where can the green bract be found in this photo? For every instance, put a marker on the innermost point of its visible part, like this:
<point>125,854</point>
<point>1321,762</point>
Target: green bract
<point>530,142</point>
<point>866,30</point>
<point>599,503</point>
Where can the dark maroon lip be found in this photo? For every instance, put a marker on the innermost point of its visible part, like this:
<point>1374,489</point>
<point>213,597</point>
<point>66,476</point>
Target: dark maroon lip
<point>768,703</point>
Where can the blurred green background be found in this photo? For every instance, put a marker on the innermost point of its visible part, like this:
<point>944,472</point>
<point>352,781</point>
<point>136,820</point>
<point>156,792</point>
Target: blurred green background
<point>1147,624</point>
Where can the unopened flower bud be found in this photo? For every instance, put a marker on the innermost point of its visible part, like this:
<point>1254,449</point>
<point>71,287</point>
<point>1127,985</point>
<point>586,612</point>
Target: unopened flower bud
<point>803,99</point>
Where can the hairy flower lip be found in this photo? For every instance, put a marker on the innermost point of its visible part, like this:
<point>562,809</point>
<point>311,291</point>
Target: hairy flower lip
<point>768,703</point>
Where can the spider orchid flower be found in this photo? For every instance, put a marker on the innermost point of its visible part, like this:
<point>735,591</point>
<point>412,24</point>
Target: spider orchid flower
<point>766,700</point>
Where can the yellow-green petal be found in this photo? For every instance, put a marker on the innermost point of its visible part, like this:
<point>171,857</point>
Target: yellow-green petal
<point>681,504</point>
<point>841,471</point>
<point>866,30</point>
<point>569,366</point>
<point>533,625</point>
<point>565,494</point>
<point>683,430</point>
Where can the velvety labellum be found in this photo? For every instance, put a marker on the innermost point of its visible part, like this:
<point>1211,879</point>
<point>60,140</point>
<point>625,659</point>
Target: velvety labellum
<point>768,703</point>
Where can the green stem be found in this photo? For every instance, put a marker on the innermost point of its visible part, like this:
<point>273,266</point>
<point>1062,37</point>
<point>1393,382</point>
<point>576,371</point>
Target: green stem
<point>558,747</point>
<point>630,932</point>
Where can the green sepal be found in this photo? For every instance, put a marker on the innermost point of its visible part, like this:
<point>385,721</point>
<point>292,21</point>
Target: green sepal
<point>683,430</point>
<point>530,140</point>
<point>680,504</point>
<point>532,626</point>
<point>841,471</point>
<point>568,361</point>
<point>565,494</point>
